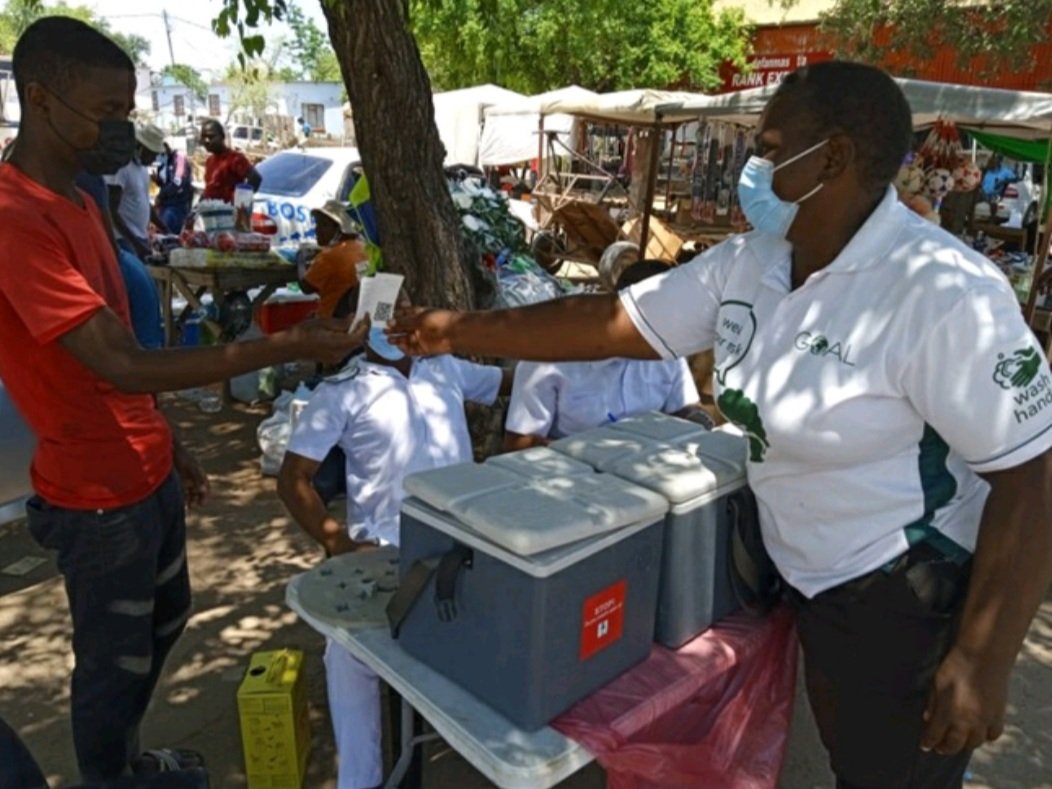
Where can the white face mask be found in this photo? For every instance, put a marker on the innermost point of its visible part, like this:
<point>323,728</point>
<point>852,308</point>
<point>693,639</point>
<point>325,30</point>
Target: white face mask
<point>765,210</point>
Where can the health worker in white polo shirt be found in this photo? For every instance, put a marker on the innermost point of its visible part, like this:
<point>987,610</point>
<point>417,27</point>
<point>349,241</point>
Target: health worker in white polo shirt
<point>552,400</point>
<point>392,416</point>
<point>899,417</point>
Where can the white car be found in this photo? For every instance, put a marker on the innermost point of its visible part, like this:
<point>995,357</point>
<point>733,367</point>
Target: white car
<point>296,181</point>
<point>16,452</point>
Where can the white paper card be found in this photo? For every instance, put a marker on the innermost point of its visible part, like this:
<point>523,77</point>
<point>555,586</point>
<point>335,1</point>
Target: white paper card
<point>377,298</point>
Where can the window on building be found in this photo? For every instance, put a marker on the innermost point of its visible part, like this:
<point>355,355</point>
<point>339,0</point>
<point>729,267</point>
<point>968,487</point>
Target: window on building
<point>155,100</point>
<point>213,105</point>
<point>179,106</point>
<point>314,114</point>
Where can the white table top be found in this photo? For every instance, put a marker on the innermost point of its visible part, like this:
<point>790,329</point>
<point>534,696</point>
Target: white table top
<point>345,599</point>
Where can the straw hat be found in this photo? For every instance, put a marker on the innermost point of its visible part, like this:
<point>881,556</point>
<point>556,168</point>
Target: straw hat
<point>337,212</point>
<point>150,137</point>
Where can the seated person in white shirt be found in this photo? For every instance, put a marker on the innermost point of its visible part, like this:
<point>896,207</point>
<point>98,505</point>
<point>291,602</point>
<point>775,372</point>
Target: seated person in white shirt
<point>555,400</point>
<point>392,415</point>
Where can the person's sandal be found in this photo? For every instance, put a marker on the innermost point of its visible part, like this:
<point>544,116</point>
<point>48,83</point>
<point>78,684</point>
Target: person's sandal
<point>167,760</point>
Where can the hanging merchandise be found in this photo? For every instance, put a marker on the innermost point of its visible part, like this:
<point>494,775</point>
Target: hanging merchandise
<point>940,167</point>
<point>737,215</point>
<point>910,179</point>
<point>697,176</point>
<point>939,183</point>
<point>942,148</point>
<point>712,180</point>
<point>726,168</point>
<point>966,176</point>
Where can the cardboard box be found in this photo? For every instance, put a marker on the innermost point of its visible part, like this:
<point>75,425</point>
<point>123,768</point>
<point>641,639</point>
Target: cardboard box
<point>275,722</point>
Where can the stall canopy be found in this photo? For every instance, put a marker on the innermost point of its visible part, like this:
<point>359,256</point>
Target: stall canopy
<point>1018,150</point>
<point>628,107</point>
<point>511,131</point>
<point>1010,113</point>
<point>458,116</point>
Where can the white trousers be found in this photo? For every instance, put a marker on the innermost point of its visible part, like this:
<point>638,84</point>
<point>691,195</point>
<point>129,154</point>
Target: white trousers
<point>354,704</point>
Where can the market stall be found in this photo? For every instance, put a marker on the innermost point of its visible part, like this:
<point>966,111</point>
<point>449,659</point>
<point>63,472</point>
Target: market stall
<point>511,133</point>
<point>221,258</point>
<point>577,216</point>
<point>1005,114</point>
<point>458,117</point>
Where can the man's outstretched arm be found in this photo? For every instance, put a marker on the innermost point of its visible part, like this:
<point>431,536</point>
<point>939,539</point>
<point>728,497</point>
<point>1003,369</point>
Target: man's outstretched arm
<point>570,329</point>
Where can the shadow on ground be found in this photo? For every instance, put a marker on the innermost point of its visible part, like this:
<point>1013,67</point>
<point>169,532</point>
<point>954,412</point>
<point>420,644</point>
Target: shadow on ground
<point>243,550</point>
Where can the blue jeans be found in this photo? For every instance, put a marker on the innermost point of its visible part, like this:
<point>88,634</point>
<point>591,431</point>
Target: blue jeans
<point>174,216</point>
<point>143,302</point>
<point>129,596</point>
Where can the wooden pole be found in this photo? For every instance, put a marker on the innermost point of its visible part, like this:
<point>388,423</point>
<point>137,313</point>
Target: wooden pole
<point>1043,238</point>
<point>671,164</point>
<point>542,169</point>
<point>648,196</point>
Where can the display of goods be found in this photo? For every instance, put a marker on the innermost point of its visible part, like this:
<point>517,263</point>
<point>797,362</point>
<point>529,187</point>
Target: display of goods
<point>939,184</point>
<point>942,148</point>
<point>911,179</point>
<point>215,215</point>
<point>252,242</point>
<point>486,219</point>
<point>224,242</point>
<point>195,239</point>
<point>966,177</point>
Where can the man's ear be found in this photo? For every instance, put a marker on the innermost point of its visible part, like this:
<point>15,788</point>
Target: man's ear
<point>839,155</point>
<point>37,99</point>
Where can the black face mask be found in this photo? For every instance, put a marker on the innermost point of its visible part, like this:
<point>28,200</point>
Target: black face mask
<point>114,146</point>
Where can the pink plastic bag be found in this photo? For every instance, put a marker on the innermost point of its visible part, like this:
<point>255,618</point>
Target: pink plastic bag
<point>713,714</point>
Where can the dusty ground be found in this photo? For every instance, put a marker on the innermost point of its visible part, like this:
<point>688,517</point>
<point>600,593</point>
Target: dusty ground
<point>243,549</point>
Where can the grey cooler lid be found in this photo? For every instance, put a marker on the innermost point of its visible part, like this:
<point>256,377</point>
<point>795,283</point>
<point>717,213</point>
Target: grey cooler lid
<point>539,462</point>
<point>657,426</point>
<point>528,516</point>
<point>700,467</point>
<point>602,447</point>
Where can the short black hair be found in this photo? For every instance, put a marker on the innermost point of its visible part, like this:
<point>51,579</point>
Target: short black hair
<point>55,49</point>
<point>864,103</point>
<point>212,123</point>
<point>639,271</point>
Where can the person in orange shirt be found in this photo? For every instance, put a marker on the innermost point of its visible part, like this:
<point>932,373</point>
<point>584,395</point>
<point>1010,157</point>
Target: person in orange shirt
<point>334,271</point>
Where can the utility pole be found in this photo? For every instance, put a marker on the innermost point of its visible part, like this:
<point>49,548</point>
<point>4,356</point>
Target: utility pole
<point>168,32</point>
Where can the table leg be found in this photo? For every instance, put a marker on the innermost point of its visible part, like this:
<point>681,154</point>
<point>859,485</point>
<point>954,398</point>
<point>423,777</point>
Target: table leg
<point>165,288</point>
<point>406,773</point>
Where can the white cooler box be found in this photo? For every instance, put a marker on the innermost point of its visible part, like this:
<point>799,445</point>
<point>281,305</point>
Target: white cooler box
<point>702,476</point>
<point>529,580</point>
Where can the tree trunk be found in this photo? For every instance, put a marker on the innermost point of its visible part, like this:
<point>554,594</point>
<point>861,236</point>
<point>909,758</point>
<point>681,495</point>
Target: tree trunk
<point>390,95</point>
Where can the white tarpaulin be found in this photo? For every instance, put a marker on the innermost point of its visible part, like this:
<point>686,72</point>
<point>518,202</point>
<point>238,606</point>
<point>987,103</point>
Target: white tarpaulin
<point>1009,112</point>
<point>458,116</point>
<point>627,107</point>
<point>511,133</point>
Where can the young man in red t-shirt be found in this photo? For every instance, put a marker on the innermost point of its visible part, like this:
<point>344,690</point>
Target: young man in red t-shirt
<point>109,476</point>
<point>225,168</point>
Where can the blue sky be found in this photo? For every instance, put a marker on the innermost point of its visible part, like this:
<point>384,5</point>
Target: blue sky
<point>192,39</point>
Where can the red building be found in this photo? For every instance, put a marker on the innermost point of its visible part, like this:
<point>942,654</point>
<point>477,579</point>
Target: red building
<point>785,39</point>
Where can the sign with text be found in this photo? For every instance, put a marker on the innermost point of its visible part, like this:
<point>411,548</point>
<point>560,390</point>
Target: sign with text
<point>767,69</point>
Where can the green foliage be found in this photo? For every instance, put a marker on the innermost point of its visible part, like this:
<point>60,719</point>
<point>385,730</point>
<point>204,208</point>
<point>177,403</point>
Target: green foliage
<point>250,85</point>
<point>137,47</point>
<point>537,45</point>
<point>17,15</point>
<point>313,58</point>
<point>1002,31</point>
<point>188,76</point>
<point>244,16</point>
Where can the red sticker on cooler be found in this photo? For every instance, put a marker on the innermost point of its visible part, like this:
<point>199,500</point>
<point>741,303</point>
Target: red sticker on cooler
<point>603,619</point>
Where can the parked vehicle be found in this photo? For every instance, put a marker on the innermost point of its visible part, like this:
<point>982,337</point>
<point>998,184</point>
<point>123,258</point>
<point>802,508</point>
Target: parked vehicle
<point>243,138</point>
<point>16,452</point>
<point>296,181</point>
